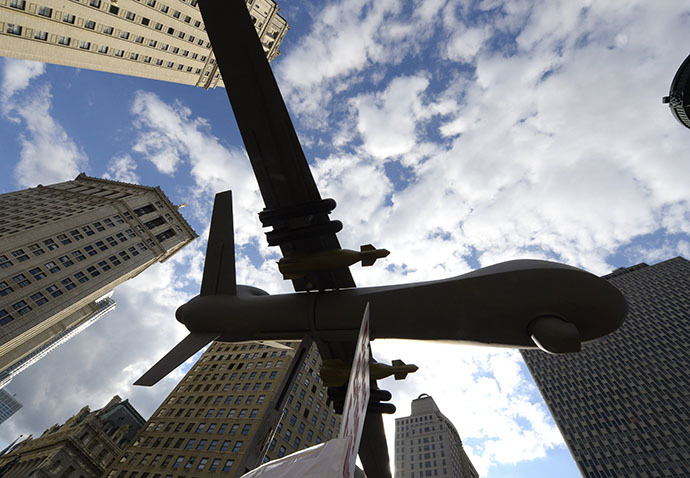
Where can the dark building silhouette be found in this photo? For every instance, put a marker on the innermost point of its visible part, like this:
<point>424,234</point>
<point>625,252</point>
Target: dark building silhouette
<point>623,402</point>
<point>82,446</point>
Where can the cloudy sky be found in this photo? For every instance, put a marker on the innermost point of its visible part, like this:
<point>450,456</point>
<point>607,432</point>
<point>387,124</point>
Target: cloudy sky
<point>455,133</point>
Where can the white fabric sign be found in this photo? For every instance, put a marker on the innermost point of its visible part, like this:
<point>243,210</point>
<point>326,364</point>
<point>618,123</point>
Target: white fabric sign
<point>320,461</point>
<point>357,398</point>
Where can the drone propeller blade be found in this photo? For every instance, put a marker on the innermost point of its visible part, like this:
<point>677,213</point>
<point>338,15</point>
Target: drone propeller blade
<point>173,359</point>
<point>219,267</point>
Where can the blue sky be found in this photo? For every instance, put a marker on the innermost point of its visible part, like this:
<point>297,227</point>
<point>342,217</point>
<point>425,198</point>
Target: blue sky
<point>456,134</point>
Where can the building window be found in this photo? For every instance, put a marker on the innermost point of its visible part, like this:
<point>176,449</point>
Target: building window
<point>114,260</point>
<point>5,262</point>
<point>65,261</point>
<point>20,4</point>
<point>5,317</point>
<point>99,227</point>
<point>53,290</point>
<point>52,267</point>
<point>21,280</point>
<point>90,250</point>
<point>90,24</point>
<point>107,31</point>
<point>69,285</point>
<point>228,465</point>
<point>21,307</point>
<point>39,35</point>
<point>36,250</point>
<point>45,11</point>
<point>81,277</point>
<point>214,464</point>
<point>108,222</point>
<point>38,298</point>
<point>124,35</point>
<point>37,273</point>
<point>78,255</point>
<point>85,45</point>
<point>5,288</point>
<point>20,255</point>
<point>93,271</point>
<point>103,49</point>
<point>130,16</point>
<point>68,18</point>
<point>95,3</point>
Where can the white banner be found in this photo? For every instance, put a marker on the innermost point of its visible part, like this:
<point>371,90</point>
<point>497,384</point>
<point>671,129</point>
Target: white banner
<point>320,461</point>
<point>357,398</point>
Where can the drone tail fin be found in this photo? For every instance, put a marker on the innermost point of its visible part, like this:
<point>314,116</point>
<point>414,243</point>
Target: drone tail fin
<point>219,268</point>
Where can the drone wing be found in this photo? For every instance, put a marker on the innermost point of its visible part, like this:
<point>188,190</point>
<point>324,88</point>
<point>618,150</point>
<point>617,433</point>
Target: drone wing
<point>294,207</point>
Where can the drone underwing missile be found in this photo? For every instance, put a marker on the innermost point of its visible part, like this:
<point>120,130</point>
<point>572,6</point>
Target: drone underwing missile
<point>296,266</point>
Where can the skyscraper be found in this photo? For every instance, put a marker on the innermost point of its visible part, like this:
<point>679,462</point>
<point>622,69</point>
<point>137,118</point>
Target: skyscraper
<point>65,246</point>
<point>159,39</point>
<point>8,405</point>
<point>100,307</point>
<point>623,402</point>
<point>427,444</point>
<point>221,418</point>
<point>83,446</point>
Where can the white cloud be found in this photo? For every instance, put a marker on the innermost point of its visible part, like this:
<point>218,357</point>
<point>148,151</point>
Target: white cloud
<point>170,136</point>
<point>108,357</point>
<point>464,45</point>
<point>48,154</point>
<point>17,74</point>
<point>122,168</point>
<point>485,392</point>
<point>387,120</point>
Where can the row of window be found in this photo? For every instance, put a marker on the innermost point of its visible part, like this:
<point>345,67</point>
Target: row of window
<point>158,460</point>
<point>37,249</point>
<point>15,29</point>
<point>66,261</point>
<point>213,413</point>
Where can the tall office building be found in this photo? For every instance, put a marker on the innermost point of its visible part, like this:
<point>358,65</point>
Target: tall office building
<point>83,446</point>
<point>221,418</point>
<point>427,444</point>
<point>8,405</point>
<point>64,247</point>
<point>623,402</point>
<point>100,307</point>
<point>159,39</point>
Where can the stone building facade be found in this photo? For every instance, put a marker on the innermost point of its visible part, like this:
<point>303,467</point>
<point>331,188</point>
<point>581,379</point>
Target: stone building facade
<point>65,246</point>
<point>427,444</point>
<point>83,446</point>
<point>158,39</point>
<point>240,405</point>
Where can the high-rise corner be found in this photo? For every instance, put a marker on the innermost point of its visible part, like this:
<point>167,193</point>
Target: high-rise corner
<point>623,402</point>
<point>157,39</point>
<point>241,404</point>
<point>64,248</point>
<point>428,444</point>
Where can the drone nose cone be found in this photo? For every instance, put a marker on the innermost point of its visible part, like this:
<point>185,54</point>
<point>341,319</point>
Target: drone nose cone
<point>179,314</point>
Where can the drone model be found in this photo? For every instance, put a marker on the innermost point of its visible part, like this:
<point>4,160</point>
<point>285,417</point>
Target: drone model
<point>520,304</point>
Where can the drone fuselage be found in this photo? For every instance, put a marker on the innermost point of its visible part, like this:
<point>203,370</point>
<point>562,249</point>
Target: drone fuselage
<point>497,305</point>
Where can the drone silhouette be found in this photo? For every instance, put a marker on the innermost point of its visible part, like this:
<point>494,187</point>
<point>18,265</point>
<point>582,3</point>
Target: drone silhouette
<point>519,304</point>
